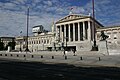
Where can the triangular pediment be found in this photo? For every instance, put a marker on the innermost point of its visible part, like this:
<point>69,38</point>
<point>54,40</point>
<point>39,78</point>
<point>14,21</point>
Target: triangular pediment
<point>71,17</point>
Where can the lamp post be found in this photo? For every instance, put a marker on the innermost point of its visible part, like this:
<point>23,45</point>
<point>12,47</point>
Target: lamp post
<point>20,47</point>
<point>27,30</point>
<point>65,45</point>
<point>64,49</point>
<point>43,46</point>
<point>94,47</point>
<point>20,41</point>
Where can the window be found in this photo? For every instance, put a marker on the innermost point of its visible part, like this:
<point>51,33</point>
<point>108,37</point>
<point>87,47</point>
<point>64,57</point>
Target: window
<point>47,41</point>
<point>108,33</point>
<point>44,41</point>
<point>115,37</point>
<point>114,32</point>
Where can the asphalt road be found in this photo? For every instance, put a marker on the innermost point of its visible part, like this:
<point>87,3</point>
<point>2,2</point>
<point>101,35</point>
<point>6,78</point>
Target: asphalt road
<point>17,70</point>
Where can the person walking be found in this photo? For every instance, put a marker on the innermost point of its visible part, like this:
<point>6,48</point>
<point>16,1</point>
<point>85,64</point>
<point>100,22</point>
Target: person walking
<point>74,52</point>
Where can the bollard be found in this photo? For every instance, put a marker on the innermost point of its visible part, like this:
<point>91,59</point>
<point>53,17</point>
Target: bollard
<point>65,57</point>
<point>24,56</point>
<point>81,58</point>
<point>17,55</point>
<point>11,55</point>
<point>99,59</point>
<point>5,54</point>
<point>41,56</point>
<point>32,56</point>
<point>52,57</point>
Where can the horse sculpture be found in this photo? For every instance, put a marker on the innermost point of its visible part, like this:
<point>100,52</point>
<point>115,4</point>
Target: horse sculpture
<point>103,36</point>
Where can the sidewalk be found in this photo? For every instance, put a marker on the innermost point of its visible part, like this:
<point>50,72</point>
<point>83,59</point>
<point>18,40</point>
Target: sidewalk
<point>88,59</point>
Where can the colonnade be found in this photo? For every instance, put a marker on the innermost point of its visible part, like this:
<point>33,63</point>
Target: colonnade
<point>75,31</point>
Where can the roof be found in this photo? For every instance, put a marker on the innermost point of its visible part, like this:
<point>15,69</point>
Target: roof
<point>109,27</point>
<point>8,37</point>
<point>38,26</point>
<point>72,17</point>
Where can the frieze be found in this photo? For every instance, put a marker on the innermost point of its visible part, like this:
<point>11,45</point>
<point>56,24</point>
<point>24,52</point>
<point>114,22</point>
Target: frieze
<point>71,17</point>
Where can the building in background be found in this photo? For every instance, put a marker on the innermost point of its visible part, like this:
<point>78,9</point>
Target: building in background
<point>7,40</point>
<point>41,40</point>
<point>38,30</point>
<point>20,43</point>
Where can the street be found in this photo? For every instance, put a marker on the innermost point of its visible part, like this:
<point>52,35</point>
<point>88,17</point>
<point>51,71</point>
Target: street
<point>18,70</point>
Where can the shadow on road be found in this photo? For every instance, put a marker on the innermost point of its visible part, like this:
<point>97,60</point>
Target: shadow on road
<point>17,70</point>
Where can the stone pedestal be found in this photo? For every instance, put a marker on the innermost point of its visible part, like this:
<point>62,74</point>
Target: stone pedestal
<point>103,48</point>
<point>9,49</point>
<point>83,46</point>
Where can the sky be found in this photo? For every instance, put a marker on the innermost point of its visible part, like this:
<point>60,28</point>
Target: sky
<point>44,12</point>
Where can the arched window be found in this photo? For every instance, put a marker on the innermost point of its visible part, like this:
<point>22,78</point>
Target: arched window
<point>115,37</point>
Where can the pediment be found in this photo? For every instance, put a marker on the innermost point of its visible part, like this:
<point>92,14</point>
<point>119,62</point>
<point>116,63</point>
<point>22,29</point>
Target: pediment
<point>71,17</point>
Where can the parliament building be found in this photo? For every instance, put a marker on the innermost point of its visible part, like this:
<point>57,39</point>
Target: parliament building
<point>74,31</point>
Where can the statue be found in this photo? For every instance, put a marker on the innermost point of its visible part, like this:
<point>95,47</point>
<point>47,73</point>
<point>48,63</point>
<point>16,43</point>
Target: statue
<point>103,36</point>
<point>53,27</point>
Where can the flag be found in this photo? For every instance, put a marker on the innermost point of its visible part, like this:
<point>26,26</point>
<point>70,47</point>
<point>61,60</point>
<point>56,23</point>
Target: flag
<point>71,8</point>
<point>20,31</point>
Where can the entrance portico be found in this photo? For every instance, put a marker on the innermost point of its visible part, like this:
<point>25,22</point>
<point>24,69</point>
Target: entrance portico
<point>75,29</point>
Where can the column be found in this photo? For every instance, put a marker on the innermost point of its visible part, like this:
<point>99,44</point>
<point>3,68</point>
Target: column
<point>73,31</point>
<point>92,30</point>
<point>89,31</point>
<point>60,33</point>
<point>83,30</point>
<point>78,31</point>
<point>69,32</point>
<point>64,33</point>
<point>57,32</point>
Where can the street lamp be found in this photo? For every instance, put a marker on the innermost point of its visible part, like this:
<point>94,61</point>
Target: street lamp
<point>27,29</point>
<point>20,40</point>
<point>66,43</point>
<point>65,46</point>
<point>43,46</point>
<point>94,47</point>
<point>20,47</point>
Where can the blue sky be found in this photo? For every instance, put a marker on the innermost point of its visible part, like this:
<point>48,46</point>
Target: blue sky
<point>44,12</point>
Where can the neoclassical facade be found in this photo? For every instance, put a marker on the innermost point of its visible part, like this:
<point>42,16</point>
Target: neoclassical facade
<point>113,32</point>
<point>42,41</point>
<point>73,31</point>
<point>76,31</point>
<point>20,43</point>
<point>113,40</point>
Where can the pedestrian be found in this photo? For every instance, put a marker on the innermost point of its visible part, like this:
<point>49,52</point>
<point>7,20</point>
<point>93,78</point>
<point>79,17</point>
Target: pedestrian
<point>74,52</point>
<point>64,53</point>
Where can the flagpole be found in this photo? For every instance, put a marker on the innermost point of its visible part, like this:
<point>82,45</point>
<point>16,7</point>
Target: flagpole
<point>94,47</point>
<point>27,29</point>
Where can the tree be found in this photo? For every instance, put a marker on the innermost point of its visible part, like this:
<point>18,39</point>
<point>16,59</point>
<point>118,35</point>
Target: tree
<point>1,46</point>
